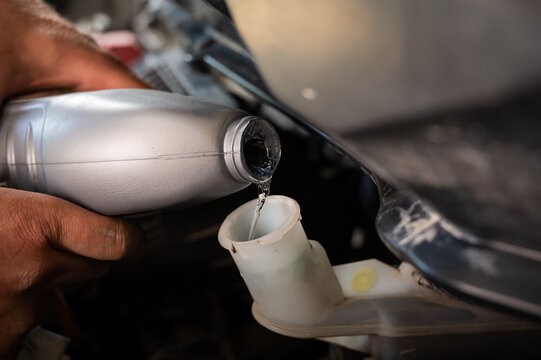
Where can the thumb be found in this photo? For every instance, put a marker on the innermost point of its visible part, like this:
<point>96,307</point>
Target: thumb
<point>80,69</point>
<point>96,70</point>
<point>82,232</point>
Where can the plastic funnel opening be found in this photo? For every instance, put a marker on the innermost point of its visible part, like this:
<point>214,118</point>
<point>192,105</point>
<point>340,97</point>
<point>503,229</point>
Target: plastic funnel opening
<point>277,217</point>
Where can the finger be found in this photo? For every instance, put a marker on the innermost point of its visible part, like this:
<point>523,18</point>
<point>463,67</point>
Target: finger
<point>63,268</point>
<point>70,228</point>
<point>64,317</point>
<point>82,70</point>
<point>24,313</point>
<point>98,70</point>
<point>67,67</point>
<point>95,236</point>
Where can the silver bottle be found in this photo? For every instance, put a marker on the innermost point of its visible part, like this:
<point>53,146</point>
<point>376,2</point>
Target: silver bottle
<point>129,151</point>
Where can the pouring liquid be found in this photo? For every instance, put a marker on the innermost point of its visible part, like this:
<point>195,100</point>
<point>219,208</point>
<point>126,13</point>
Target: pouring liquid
<point>263,189</point>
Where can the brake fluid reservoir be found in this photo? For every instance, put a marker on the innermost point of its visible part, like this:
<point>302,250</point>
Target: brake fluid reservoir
<point>289,277</point>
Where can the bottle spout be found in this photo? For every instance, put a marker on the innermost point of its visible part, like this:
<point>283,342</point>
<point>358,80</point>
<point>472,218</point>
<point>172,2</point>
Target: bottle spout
<point>252,149</point>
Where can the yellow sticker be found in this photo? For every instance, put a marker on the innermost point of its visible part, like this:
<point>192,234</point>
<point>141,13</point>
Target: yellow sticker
<point>363,280</point>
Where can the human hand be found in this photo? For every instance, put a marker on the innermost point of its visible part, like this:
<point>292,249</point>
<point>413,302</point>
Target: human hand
<point>45,241</point>
<point>42,53</point>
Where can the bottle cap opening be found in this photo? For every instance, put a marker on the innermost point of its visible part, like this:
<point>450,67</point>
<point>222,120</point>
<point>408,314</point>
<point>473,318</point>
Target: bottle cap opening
<point>252,149</point>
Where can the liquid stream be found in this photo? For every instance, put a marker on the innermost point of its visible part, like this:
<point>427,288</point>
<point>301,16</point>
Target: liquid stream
<point>263,189</point>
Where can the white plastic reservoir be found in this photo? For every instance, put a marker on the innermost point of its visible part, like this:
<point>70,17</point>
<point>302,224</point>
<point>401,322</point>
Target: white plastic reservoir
<point>289,277</point>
